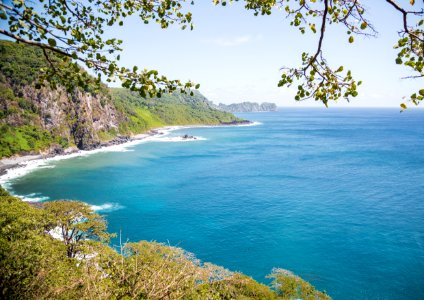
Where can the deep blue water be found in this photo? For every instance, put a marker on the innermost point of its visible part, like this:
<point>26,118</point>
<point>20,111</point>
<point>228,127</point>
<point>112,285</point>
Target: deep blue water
<point>336,196</point>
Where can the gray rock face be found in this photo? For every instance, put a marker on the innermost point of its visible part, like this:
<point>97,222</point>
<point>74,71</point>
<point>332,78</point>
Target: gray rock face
<point>248,107</point>
<point>78,116</point>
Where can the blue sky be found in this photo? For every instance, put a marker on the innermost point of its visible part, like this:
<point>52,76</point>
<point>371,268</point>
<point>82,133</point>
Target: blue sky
<point>237,57</point>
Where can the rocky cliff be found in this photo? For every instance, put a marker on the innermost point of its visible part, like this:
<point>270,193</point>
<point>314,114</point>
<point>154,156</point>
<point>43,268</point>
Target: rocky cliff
<point>248,107</point>
<point>49,120</point>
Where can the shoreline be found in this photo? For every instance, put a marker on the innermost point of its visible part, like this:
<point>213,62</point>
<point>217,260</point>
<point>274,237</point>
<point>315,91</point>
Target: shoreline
<point>10,163</point>
<point>14,167</point>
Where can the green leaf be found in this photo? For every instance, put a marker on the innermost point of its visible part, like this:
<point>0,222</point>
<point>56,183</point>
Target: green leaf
<point>351,39</point>
<point>52,42</point>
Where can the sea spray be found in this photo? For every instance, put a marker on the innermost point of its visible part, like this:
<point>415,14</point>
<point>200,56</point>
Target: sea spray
<point>106,207</point>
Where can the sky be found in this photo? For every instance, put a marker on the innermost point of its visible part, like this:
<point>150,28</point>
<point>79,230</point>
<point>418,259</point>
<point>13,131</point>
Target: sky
<point>237,57</point>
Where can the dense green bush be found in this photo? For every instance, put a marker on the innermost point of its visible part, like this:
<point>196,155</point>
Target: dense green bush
<point>290,286</point>
<point>19,63</point>
<point>26,139</point>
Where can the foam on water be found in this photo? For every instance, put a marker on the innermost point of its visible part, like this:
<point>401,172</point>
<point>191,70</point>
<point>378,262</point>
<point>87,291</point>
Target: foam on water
<point>255,123</point>
<point>33,197</point>
<point>106,207</point>
<point>28,198</point>
<point>180,139</point>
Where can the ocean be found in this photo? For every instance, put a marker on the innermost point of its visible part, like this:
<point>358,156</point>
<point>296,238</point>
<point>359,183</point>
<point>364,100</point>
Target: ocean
<point>334,195</point>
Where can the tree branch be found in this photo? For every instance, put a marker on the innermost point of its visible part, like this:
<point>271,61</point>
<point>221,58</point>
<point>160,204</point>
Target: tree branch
<point>324,19</point>
<point>32,43</point>
<point>405,17</point>
<point>49,61</point>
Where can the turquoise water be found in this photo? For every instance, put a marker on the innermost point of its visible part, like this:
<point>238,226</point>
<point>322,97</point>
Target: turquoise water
<point>336,196</point>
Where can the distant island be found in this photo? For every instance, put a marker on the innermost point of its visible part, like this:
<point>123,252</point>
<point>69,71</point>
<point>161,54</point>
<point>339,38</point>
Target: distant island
<point>248,107</point>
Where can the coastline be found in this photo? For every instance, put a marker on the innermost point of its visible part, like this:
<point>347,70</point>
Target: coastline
<point>14,167</point>
<point>10,163</point>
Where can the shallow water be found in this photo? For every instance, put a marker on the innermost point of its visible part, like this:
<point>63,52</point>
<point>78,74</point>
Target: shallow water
<point>336,196</point>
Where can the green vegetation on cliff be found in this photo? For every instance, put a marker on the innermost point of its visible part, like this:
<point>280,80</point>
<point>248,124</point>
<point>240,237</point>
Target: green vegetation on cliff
<point>20,64</point>
<point>26,138</point>
<point>175,109</point>
<point>79,264</point>
<point>33,120</point>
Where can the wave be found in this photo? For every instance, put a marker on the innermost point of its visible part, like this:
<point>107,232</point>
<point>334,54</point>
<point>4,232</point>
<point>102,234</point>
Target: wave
<point>180,139</point>
<point>106,207</point>
<point>23,169</point>
<point>255,123</point>
<point>33,197</point>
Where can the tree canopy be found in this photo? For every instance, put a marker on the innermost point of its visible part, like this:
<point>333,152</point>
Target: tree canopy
<point>76,222</point>
<point>75,32</point>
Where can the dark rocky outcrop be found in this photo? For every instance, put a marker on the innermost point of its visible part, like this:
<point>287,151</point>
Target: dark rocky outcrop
<point>241,122</point>
<point>188,137</point>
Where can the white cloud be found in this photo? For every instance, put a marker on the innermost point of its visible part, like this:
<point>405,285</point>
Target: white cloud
<point>232,41</point>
